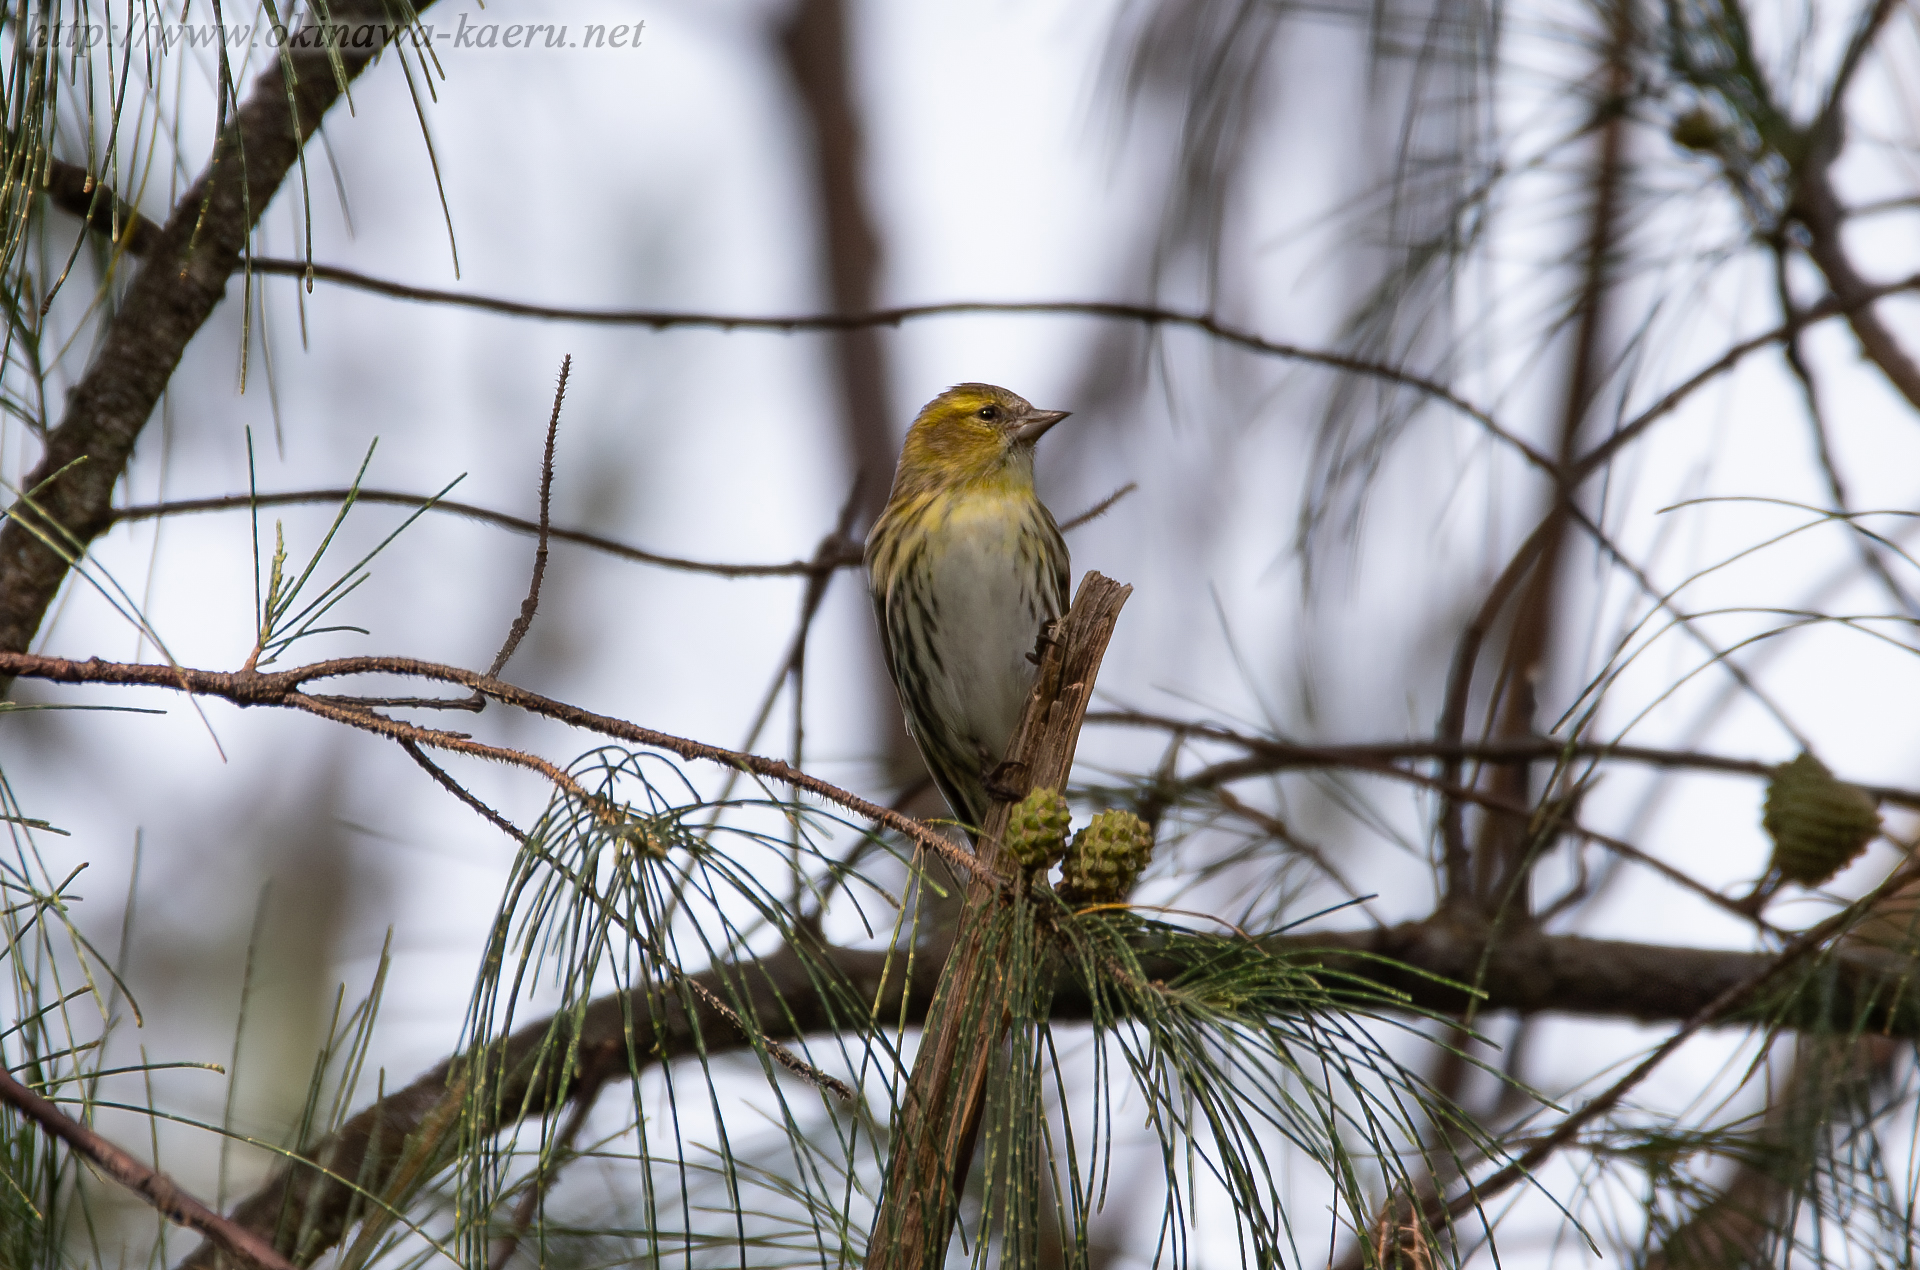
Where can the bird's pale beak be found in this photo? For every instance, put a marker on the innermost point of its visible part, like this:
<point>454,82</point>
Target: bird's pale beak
<point>1036,423</point>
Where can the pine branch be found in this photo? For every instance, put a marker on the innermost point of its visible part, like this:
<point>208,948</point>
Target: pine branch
<point>184,278</point>
<point>284,689</point>
<point>939,1116</point>
<point>339,1179</point>
<point>155,1188</point>
<point>1426,962</point>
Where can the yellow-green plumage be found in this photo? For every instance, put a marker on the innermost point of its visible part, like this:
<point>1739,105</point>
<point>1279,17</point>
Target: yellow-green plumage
<point>966,565</point>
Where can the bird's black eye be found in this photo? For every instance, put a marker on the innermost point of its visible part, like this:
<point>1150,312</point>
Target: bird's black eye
<point>989,413</point>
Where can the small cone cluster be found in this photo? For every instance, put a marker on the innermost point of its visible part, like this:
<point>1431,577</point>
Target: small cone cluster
<point>1106,857</point>
<point>1103,863</point>
<point>1818,822</point>
<point>1037,829</point>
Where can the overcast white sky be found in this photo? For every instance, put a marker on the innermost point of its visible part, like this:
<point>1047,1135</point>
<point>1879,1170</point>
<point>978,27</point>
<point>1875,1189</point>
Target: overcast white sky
<point>672,175</point>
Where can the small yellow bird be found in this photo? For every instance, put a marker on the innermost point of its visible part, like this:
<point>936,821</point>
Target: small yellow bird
<point>966,565</point>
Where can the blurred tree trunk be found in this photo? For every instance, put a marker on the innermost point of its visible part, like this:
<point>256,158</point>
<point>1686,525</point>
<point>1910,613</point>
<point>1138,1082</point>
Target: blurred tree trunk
<point>1503,856</point>
<point>816,44</point>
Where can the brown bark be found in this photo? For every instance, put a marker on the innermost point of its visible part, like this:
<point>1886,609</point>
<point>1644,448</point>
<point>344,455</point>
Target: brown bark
<point>151,1185</point>
<point>182,279</point>
<point>939,1116</point>
<point>401,1141</point>
<point>1531,973</point>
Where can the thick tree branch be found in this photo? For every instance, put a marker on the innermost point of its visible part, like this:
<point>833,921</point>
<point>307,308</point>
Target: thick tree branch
<point>183,279</point>
<point>355,1170</point>
<point>1425,961</point>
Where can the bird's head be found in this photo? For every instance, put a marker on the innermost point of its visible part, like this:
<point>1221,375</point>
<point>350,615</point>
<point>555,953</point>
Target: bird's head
<point>973,434</point>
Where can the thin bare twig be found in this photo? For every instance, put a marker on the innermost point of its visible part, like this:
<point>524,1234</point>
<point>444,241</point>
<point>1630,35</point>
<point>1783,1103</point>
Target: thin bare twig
<point>1816,206</point>
<point>234,502</point>
<point>155,1188</point>
<point>1100,508</point>
<point>461,792</point>
<point>282,688</point>
<point>1149,315</point>
<point>845,553</point>
<point>1670,401</point>
<point>778,1052</point>
<point>1274,756</point>
<point>529,606</point>
<point>1796,361</point>
<point>665,319</point>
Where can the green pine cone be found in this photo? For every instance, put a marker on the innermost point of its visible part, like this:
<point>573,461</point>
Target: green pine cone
<point>1818,823</point>
<point>1037,828</point>
<point>1106,857</point>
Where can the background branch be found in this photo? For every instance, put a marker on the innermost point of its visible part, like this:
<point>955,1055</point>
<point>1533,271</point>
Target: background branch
<point>1428,962</point>
<point>157,1189</point>
<point>171,296</point>
<point>1268,756</point>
